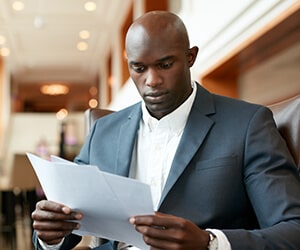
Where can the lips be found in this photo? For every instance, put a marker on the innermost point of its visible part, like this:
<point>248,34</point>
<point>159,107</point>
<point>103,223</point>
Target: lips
<point>156,96</point>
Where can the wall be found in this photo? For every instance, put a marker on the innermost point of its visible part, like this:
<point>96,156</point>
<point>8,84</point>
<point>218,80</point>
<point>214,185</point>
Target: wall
<point>1,100</point>
<point>4,102</point>
<point>273,80</point>
<point>26,130</point>
<point>219,28</point>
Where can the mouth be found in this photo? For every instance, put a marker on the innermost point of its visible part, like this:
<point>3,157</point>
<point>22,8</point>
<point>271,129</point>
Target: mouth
<point>156,97</point>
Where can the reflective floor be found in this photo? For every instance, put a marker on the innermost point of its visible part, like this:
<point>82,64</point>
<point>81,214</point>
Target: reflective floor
<point>16,224</point>
<point>18,235</point>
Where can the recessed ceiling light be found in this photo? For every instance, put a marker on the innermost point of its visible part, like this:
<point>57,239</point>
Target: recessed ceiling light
<point>54,89</point>
<point>93,90</point>
<point>18,5</point>
<point>62,114</point>
<point>2,40</point>
<point>38,22</point>
<point>93,103</point>
<point>82,46</point>
<point>90,6</point>
<point>84,34</point>
<point>4,51</point>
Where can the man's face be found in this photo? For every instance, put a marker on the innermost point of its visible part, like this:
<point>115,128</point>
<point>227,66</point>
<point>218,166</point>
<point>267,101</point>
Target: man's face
<point>160,70</point>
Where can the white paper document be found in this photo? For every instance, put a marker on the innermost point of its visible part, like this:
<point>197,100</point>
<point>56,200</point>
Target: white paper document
<point>107,201</point>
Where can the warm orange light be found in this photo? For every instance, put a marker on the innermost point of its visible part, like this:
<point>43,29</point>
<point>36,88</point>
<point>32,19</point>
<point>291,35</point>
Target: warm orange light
<point>4,52</point>
<point>54,89</point>
<point>62,114</point>
<point>93,103</point>
<point>93,91</point>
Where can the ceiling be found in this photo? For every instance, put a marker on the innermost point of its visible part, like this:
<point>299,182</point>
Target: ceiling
<point>42,38</point>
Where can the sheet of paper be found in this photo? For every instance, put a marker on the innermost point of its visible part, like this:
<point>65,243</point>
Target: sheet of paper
<point>107,201</point>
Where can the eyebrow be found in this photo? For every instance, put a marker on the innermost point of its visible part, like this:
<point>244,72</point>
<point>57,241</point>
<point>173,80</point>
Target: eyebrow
<point>157,61</point>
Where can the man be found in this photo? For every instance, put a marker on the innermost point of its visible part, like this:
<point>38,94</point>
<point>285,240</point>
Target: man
<point>220,174</point>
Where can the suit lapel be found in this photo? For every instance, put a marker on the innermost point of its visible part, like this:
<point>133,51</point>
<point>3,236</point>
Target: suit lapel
<point>126,141</point>
<point>196,129</point>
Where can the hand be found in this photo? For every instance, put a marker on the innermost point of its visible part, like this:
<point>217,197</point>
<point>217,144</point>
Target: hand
<point>162,231</point>
<point>50,220</point>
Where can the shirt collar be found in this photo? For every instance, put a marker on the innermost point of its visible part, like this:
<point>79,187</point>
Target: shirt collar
<point>176,120</point>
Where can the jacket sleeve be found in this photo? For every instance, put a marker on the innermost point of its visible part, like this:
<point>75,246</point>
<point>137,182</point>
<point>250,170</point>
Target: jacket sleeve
<point>273,186</point>
<point>69,242</point>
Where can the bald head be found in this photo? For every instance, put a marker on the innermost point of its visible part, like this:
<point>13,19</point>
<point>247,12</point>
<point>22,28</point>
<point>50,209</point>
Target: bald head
<point>155,27</point>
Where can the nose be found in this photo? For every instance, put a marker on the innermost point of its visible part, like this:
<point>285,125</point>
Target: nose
<point>153,79</point>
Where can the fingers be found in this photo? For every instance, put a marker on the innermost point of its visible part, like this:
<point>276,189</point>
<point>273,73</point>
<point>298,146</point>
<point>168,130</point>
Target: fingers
<point>52,206</point>
<point>153,226</point>
<point>53,221</point>
<point>49,210</point>
<point>157,221</point>
<point>54,231</point>
<point>161,231</point>
<point>55,225</point>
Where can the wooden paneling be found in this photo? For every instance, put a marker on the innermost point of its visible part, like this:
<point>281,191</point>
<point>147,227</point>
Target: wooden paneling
<point>1,100</point>
<point>149,6</point>
<point>156,5</point>
<point>109,79</point>
<point>278,35</point>
<point>126,25</point>
<point>223,86</point>
<point>28,98</point>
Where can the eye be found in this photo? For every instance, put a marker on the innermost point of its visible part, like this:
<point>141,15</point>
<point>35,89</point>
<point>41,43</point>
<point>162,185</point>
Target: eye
<point>165,65</point>
<point>138,68</point>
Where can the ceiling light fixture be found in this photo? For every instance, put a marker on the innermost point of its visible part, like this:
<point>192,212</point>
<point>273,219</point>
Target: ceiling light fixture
<point>93,103</point>
<point>82,46</point>
<point>93,91</point>
<point>54,89</point>
<point>90,6</point>
<point>18,5</point>
<point>2,40</point>
<point>4,51</point>
<point>38,22</point>
<point>84,34</point>
<point>62,114</point>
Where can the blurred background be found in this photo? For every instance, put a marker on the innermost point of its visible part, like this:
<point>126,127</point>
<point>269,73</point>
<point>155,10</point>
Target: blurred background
<point>59,58</point>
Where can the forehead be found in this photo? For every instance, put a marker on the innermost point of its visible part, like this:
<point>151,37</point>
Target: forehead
<point>144,47</point>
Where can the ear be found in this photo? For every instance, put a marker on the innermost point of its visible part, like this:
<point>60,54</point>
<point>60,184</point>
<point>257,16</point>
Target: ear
<point>192,55</point>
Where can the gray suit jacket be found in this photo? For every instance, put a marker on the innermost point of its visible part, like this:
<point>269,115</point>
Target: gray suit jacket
<point>232,170</point>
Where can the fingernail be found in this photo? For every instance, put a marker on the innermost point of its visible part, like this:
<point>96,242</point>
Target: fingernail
<point>66,210</point>
<point>78,216</point>
<point>132,220</point>
<point>77,226</point>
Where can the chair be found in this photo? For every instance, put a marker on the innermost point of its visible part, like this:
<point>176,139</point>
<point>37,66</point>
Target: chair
<point>91,115</point>
<point>287,117</point>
